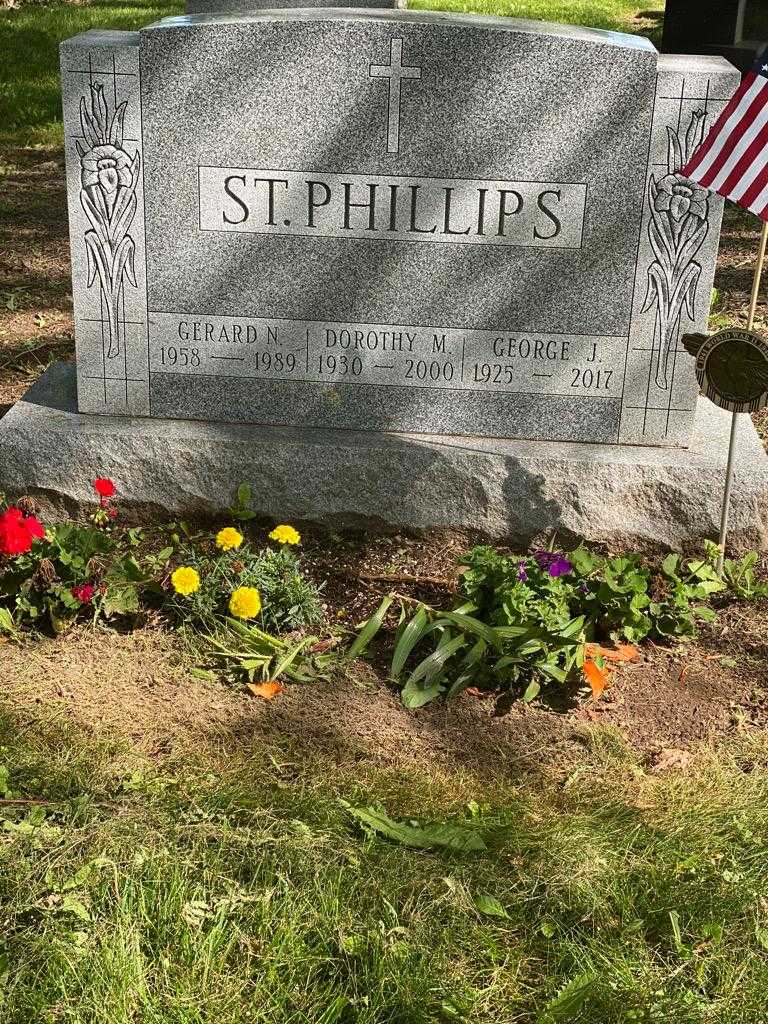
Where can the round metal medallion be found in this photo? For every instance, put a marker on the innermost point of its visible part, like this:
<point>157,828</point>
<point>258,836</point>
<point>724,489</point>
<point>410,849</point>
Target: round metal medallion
<point>731,368</point>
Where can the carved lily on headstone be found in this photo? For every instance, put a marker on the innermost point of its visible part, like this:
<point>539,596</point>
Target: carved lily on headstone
<point>109,176</point>
<point>677,229</point>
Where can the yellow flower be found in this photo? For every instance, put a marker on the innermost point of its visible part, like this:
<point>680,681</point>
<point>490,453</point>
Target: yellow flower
<point>228,538</point>
<point>245,603</point>
<point>285,535</point>
<point>185,580</point>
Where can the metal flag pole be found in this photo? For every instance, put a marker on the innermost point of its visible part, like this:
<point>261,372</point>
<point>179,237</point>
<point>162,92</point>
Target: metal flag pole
<point>735,416</point>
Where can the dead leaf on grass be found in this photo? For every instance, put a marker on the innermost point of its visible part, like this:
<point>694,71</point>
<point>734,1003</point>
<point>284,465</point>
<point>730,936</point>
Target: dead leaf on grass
<point>596,677</point>
<point>267,690</point>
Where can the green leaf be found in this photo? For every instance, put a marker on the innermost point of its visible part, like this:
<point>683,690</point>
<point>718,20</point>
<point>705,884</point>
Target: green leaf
<point>430,668</point>
<point>60,623</point>
<point>569,1000</point>
<point>670,564</point>
<point>474,626</point>
<point>415,695</point>
<point>489,905</point>
<point>370,629</point>
<point>583,561</point>
<point>284,664</point>
<point>411,635</point>
<point>244,495</point>
<point>552,671</point>
<point>572,628</point>
<point>460,838</point>
<point>70,904</point>
<point>203,673</point>
<point>7,625</point>
<point>514,632</point>
<point>121,600</point>
<point>706,587</point>
<point>531,691</point>
<point>707,614</point>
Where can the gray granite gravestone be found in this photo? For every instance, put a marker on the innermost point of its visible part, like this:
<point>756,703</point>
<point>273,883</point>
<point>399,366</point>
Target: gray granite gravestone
<point>392,221</point>
<point>339,224</point>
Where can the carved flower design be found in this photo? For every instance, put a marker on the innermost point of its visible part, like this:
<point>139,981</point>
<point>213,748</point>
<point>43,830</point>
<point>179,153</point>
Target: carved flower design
<point>107,166</point>
<point>678,197</point>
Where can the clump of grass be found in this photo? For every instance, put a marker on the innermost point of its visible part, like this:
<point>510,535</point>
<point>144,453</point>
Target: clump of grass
<point>242,890</point>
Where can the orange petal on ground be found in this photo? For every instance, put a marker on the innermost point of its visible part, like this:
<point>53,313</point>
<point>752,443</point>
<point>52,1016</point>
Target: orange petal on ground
<point>266,690</point>
<point>596,677</point>
<point>624,652</point>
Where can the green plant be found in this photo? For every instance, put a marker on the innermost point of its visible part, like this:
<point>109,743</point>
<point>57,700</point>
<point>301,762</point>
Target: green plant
<point>242,510</point>
<point>246,654</point>
<point>624,598</point>
<point>467,650</point>
<point>718,318</point>
<point>289,600</point>
<point>75,568</point>
<point>740,576</point>
<point>520,623</point>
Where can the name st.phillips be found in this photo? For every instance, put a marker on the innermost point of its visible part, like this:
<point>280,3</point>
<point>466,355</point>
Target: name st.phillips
<point>413,209</point>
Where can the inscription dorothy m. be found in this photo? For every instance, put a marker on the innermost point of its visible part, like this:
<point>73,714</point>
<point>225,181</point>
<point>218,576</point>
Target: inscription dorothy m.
<point>402,355</point>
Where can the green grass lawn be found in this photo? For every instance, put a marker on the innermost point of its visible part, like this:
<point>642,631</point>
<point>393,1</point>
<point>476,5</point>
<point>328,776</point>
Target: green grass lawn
<point>240,890</point>
<point>30,104</point>
<point>30,96</point>
<point>609,14</point>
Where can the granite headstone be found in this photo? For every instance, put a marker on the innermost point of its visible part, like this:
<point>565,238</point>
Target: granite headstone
<point>366,236</point>
<point>390,220</point>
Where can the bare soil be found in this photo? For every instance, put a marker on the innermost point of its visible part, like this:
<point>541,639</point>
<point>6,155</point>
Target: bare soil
<point>140,686</point>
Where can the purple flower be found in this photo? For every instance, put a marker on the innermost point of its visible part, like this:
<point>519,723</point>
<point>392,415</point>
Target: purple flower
<point>522,575</point>
<point>553,563</point>
<point>560,567</point>
<point>584,588</point>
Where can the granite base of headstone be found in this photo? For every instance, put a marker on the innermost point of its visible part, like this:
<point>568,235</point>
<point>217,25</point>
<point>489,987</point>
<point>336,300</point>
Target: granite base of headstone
<point>625,496</point>
<point>398,267</point>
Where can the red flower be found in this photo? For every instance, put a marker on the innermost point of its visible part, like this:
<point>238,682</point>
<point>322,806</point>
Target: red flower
<point>104,487</point>
<point>83,593</point>
<point>18,532</point>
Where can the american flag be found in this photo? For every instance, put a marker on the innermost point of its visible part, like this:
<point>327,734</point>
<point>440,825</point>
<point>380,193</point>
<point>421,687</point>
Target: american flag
<point>733,159</point>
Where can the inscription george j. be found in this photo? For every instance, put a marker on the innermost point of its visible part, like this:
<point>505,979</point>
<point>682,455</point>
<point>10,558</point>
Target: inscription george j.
<point>455,210</point>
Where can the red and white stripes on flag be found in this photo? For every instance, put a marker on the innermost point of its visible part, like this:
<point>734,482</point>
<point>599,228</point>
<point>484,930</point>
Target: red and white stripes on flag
<point>733,159</point>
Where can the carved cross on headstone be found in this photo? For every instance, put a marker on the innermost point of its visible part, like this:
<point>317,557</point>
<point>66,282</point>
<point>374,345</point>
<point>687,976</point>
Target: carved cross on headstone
<point>395,71</point>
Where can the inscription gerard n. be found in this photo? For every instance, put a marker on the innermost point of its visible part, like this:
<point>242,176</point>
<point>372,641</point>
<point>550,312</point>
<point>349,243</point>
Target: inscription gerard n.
<point>398,355</point>
<point>386,207</point>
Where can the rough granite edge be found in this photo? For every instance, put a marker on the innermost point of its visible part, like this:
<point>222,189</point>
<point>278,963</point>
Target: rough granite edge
<point>598,36</point>
<point>630,497</point>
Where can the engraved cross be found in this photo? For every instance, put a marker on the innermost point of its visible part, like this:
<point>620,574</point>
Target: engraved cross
<point>395,71</point>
